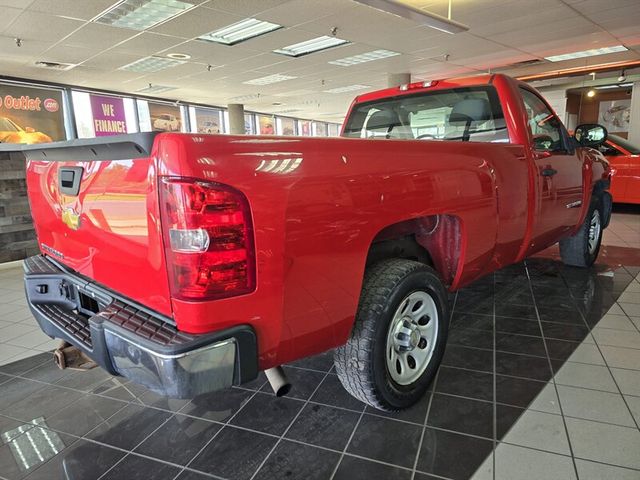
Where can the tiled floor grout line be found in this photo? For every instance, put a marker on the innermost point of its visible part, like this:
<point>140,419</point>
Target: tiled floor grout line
<point>495,388</point>
<point>606,364</point>
<point>288,427</point>
<point>553,382</point>
<point>424,429</point>
<point>225,423</point>
<point>344,450</point>
<point>135,446</point>
<point>431,395</point>
<point>179,411</point>
<point>77,437</point>
<point>97,442</point>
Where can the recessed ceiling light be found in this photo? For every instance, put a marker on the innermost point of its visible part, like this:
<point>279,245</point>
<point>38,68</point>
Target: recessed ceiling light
<point>179,56</point>
<point>151,64</point>
<point>364,57</point>
<point>240,31</point>
<point>155,89</point>
<point>142,14</point>
<point>269,79</point>
<point>348,88</point>
<point>586,53</point>
<point>311,46</point>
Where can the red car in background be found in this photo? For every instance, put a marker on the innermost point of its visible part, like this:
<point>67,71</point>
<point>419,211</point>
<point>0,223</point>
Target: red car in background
<point>624,158</point>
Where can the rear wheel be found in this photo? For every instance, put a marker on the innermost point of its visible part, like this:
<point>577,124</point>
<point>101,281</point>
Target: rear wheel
<point>398,337</point>
<point>581,250</point>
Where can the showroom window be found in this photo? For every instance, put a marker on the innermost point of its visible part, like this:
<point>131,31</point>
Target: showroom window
<point>285,126</point>
<point>160,117</point>
<point>206,120</point>
<point>304,128</point>
<point>460,114</point>
<point>31,115</point>
<point>103,115</point>
<point>319,129</point>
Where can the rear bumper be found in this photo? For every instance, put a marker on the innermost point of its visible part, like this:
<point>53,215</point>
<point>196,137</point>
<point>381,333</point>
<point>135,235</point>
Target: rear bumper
<point>128,340</point>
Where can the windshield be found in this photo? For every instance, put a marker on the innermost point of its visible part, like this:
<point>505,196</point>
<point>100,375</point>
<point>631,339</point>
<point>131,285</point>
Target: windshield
<point>469,114</point>
<point>624,143</point>
<point>7,125</point>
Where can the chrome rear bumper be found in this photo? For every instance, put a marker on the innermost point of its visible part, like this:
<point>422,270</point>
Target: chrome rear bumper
<point>128,340</point>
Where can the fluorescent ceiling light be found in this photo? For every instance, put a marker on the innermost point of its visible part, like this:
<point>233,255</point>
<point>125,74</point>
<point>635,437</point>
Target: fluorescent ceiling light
<point>269,79</point>
<point>142,14</point>
<point>311,46</point>
<point>239,32</point>
<point>289,110</point>
<point>245,98</point>
<point>155,89</point>
<point>620,85</point>
<point>427,19</point>
<point>364,57</point>
<point>586,53</point>
<point>348,88</point>
<point>151,64</point>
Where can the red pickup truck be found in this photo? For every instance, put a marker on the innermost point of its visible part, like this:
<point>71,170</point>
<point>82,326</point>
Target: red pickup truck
<point>189,263</point>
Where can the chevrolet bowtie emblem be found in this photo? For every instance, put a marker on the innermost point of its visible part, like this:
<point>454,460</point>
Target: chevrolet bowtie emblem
<point>70,218</point>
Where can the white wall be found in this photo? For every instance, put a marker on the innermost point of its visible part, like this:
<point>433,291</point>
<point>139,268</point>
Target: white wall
<point>558,101</point>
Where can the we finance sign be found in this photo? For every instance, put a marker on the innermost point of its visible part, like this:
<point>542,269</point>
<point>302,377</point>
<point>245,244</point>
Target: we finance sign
<point>108,115</point>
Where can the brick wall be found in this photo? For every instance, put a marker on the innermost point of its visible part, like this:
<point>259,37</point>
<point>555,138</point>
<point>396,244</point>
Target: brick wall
<point>17,237</point>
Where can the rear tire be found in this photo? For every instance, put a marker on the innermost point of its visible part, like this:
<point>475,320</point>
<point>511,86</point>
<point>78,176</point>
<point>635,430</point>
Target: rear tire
<point>399,335</point>
<point>581,250</point>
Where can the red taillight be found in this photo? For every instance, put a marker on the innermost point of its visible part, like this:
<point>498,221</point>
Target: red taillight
<point>208,239</point>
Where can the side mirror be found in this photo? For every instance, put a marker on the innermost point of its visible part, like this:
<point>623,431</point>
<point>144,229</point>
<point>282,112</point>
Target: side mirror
<point>542,143</point>
<point>590,135</point>
<point>29,129</point>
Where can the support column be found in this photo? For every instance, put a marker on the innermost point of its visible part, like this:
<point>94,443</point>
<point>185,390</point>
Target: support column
<point>236,118</point>
<point>397,79</point>
<point>634,124</point>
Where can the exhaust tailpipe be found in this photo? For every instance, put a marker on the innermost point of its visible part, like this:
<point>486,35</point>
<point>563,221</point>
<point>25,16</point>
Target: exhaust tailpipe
<point>278,381</point>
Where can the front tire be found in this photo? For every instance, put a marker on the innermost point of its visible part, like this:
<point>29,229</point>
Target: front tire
<point>399,335</point>
<point>581,250</point>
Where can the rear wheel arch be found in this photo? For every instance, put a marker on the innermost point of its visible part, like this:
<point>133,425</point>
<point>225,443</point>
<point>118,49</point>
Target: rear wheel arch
<point>435,240</point>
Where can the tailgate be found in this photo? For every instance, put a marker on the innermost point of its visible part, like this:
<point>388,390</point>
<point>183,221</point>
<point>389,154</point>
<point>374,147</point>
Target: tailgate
<point>95,209</point>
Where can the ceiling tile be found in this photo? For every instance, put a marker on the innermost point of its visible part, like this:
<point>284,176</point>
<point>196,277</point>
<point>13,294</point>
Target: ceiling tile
<point>39,26</point>
<point>84,10</point>
<point>98,35</point>
<point>147,43</point>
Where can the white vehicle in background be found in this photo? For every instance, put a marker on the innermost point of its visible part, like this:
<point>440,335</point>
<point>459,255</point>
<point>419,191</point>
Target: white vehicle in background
<point>166,123</point>
<point>209,127</point>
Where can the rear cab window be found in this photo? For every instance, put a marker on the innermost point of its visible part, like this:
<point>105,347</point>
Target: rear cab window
<point>464,114</point>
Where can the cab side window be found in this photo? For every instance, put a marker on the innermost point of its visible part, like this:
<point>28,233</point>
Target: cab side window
<point>545,127</point>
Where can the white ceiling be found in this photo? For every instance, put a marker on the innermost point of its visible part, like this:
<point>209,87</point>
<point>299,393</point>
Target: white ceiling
<point>502,32</point>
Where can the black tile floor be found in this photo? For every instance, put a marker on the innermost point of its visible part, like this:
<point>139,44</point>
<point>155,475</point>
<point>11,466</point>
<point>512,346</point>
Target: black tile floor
<point>526,353</point>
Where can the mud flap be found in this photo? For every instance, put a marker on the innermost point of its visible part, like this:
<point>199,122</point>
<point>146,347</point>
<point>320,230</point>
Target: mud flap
<point>68,356</point>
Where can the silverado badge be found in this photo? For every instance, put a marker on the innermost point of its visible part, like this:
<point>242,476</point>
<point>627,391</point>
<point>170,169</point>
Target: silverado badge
<point>71,218</point>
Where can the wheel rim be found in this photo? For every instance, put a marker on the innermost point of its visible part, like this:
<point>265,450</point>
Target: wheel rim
<point>594,231</point>
<point>411,339</point>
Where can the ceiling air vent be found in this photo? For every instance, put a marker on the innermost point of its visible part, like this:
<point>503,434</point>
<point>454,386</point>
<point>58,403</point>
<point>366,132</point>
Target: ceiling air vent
<point>56,66</point>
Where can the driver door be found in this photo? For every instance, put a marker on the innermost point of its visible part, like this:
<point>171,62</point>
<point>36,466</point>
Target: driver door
<point>558,173</point>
